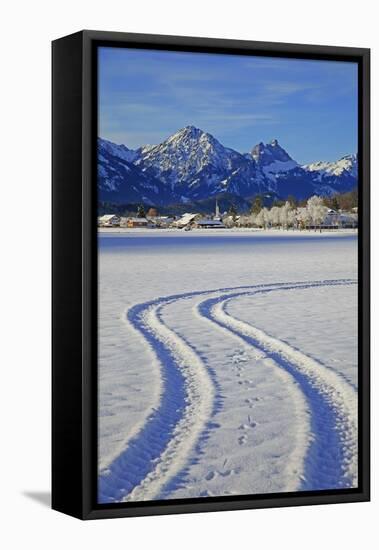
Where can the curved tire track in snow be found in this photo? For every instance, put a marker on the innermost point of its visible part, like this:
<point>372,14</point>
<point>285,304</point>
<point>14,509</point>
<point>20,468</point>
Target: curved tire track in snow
<point>331,458</point>
<point>160,450</point>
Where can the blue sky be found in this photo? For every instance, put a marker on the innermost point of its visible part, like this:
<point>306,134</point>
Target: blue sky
<point>309,106</point>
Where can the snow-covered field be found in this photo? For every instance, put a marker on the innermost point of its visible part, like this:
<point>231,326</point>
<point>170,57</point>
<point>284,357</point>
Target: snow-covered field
<point>227,363</point>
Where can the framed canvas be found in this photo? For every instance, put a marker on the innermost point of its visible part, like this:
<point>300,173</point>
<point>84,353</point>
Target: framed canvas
<point>210,275</point>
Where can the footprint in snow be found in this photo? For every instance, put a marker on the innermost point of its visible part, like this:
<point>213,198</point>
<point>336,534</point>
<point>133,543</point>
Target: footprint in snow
<point>252,401</point>
<point>247,426</point>
<point>240,357</point>
<point>250,424</point>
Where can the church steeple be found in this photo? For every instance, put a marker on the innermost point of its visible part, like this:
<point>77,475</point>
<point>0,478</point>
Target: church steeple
<point>217,211</point>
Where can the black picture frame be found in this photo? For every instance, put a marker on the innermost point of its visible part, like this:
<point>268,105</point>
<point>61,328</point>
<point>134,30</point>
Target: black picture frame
<point>74,272</point>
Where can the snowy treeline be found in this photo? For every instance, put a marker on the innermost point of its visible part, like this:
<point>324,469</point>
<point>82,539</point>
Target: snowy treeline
<point>285,216</point>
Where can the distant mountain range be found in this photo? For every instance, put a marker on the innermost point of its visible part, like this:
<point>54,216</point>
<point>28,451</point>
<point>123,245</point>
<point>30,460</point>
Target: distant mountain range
<point>191,167</point>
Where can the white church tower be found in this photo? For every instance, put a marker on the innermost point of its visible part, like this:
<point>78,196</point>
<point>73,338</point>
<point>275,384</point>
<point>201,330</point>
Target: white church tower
<point>217,212</point>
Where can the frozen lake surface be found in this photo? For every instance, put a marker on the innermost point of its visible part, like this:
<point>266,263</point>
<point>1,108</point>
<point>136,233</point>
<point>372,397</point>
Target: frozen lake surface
<point>227,363</point>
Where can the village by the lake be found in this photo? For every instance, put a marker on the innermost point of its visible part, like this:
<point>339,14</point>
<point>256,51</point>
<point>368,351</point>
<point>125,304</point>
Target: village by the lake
<point>317,214</point>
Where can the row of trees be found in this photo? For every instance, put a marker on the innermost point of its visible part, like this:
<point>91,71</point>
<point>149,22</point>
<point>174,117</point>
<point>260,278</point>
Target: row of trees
<point>285,216</point>
<point>344,201</point>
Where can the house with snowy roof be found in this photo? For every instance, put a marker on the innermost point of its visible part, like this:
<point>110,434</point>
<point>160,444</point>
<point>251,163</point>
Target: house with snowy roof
<point>137,222</point>
<point>185,220</point>
<point>340,219</point>
<point>109,220</point>
<point>161,221</point>
<point>208,223</point>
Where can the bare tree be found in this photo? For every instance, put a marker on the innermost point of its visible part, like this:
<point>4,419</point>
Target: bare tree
<point>275,216</point>
<point>291,218</point>
<point>266,217</point>
<point>317,210</point>
<point>303,217</point>
<point>285,215</point>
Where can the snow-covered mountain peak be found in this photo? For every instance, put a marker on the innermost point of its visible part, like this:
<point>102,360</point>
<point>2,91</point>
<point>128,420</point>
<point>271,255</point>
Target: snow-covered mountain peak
<point>272,159</point>
<point>265,154</point>
<point>194,163</point>
<point>347,164</point>
<point>188,132</point>
<point>190,136</point>
<point>186,153</point>
<point>119,151</point>
<point>191,164</point>
<point>190,129</point>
